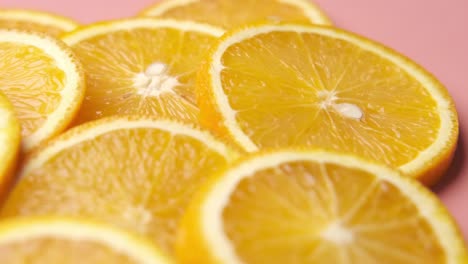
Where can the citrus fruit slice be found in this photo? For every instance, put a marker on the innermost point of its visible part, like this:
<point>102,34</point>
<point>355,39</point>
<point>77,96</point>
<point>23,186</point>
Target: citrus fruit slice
<point>44,82</point>
<point>36,21</point>
<point>229,14</point>
<point>134,172</point>
<point>141,66</point>
<point>41,240</point>
<point>293,85</point>
<point>294,206</point>
<point>10,142</point>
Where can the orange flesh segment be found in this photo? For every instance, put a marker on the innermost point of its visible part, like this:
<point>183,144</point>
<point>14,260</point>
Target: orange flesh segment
<point>139,179</point>
<point>32,82</point>
<point>55,251</point>
<point>284,79</point>
<point>229,14</point>
<point>111,72</point>
<point>325,213</point>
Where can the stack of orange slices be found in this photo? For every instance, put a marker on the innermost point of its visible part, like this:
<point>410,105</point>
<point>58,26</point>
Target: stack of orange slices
<point>219,131</point>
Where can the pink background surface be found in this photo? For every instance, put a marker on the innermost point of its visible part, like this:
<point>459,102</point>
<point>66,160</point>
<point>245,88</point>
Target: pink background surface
<point>432,32</point>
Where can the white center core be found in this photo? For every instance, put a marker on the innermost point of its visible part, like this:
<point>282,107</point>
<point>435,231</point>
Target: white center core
<point>338,234</point>
<point>328,100</point>
<point>155,80</point>
<point>349,110</point>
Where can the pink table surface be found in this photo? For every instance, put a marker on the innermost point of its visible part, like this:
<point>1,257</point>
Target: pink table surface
<point>432,32</point>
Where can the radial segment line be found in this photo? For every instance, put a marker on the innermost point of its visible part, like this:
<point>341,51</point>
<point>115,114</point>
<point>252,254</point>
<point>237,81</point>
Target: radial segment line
<point>156,176</point>
<point>386,225</point>
<point>388,250</point>
<point>360,202</point>
<point>331,190</point>
<point>321,247</point>
<point>342,75</point>
<point>311,62</point>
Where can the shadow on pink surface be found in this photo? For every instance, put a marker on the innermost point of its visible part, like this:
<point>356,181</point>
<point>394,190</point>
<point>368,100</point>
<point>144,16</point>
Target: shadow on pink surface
<point>454,172</point>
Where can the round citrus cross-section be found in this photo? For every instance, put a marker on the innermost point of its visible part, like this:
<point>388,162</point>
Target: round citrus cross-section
<point>141,66</point>
<point>44,82</point>
<point>133,172</point>
<point>315,206</point>
<point>290,85</point>
<point>230,14</point>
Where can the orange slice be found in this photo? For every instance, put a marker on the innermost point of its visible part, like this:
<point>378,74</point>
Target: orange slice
<point>36,21</point>
<point>141,66</point>
<point>230,14</point>
<point>10,142</point>
<point>315,206</point>
<point>46,240</point>
<point>133,172</point>
<point>295,85</point>
<point>43,80</point>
